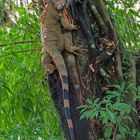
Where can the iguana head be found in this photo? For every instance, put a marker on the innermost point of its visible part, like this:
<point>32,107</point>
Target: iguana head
<point>59,4</point>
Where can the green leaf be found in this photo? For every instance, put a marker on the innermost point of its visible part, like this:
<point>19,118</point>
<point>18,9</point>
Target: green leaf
<point>96,101</point>
<point>108,131</point>
<point>83,110</point>
<point>135,13</point>
<point>137,98</point>
<point>118,87</point>
<point>83,106</point>
<point>90,114</point>
<point>111,116</point>
<point>82,116</point>
<point>89,101</point>
<point>131,86</point>
<point>125,117</point>
<point>122,107</point>
<point>107,116</point>
<point>121,87</point>
<point>123,131</point>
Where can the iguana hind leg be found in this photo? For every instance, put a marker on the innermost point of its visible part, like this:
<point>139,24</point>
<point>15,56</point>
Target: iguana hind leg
<point>48,64</point>
<point>75,49</point>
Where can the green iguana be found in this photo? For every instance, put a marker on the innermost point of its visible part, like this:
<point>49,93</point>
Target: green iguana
<point>54,44</point>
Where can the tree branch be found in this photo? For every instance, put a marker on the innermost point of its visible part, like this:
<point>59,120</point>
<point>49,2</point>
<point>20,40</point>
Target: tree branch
<point>20,42</point>
<point>24,51</point>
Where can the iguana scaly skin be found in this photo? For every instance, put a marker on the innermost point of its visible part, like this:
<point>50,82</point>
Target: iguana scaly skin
<point>54,44</point>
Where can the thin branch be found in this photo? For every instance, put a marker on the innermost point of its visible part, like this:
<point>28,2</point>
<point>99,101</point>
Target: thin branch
<point>92,68</point>
<point>116,126</point>
<point>20,42</point>
<point>25,51</point>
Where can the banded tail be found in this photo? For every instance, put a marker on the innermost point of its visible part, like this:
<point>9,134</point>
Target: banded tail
<point>60,64</point>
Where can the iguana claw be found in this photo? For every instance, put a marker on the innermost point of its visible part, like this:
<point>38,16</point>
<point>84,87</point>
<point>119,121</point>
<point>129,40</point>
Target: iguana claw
<point>76,50</point>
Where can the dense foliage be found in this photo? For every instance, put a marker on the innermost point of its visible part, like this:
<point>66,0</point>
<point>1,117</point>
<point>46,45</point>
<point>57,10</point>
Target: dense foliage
<point>113,112</point>
<point>26,110</point>
<point>126,18</point>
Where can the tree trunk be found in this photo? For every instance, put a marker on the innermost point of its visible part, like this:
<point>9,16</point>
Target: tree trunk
<point>91,72</point>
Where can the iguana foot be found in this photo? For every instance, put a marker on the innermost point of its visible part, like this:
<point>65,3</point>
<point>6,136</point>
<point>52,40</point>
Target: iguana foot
<point>49,69</point>
<point>74,27</point>
<point>75,49</point>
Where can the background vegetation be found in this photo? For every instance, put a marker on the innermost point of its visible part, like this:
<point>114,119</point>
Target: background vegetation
<point>26,110</point>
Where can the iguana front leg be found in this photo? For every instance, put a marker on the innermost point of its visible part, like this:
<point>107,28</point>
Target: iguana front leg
<point>69,47</point>
<point>75,49</point>
<point>67,23</point>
